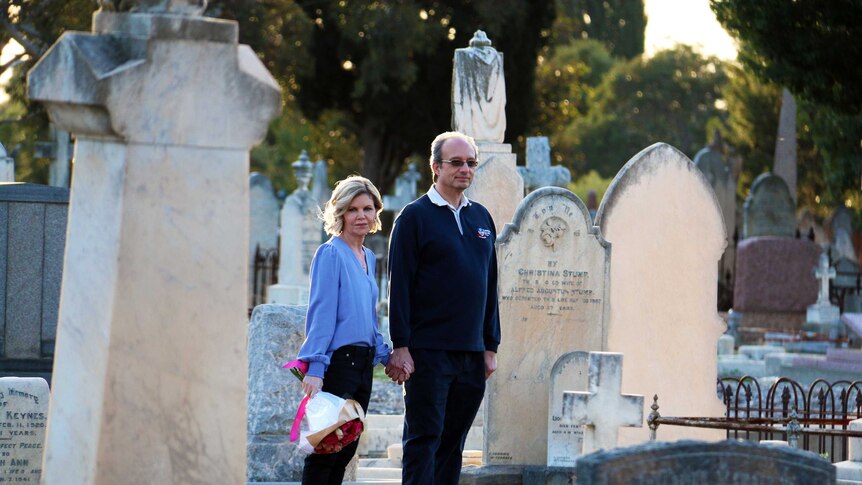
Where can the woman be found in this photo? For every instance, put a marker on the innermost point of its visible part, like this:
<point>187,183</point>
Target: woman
<point>343,343</point>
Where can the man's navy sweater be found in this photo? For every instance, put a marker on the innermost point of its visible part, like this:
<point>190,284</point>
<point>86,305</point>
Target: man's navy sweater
<point>443,285</point>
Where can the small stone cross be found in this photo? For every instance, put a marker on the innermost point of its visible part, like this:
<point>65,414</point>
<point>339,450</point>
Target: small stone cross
<point>602,410</point>
<point>824,273</point>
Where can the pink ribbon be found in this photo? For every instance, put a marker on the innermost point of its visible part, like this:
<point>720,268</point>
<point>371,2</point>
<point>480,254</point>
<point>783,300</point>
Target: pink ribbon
<point>300,413</point>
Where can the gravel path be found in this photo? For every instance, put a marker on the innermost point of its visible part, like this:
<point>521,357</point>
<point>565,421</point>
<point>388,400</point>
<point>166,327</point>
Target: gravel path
<point>386,398</point>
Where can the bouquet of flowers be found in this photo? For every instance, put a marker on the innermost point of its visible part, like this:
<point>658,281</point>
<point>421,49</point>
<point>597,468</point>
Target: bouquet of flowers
<point>333,422</point>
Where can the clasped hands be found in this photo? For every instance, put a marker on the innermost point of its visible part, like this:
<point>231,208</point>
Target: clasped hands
<point>400,365</point>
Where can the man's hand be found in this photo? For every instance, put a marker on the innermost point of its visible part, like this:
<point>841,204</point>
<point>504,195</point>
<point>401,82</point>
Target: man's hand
<point>312,385</point>
<point>490,363</point>
<point>400,365</point>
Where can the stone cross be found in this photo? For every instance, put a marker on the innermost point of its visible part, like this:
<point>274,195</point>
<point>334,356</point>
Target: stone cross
<point>602,409</point>
<point>405,189</point>
<point>824,273</point>
<point>539,172</point>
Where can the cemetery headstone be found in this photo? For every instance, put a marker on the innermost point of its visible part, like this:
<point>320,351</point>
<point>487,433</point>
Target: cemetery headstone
<point>823,317</point>
<point>769,209</point>
<point>23,419</point>
<point>662,219</point>
<point>842,234</point>
<point>603,409</point>
<point>405,190</point>
<point>301,234</point>
<point>774,284</point>
<point>150,381</point>
<point>785,142</point>
<point>717,172</point>
<point>851,469</point>
<point>33,218</point>
<point>263,221</point>
<point>553,294</point>
<point>700,462</point>
<point>7,166</point>
<point>539,172</point>
<point>479,110</point>
<point>60,173</point>
<point>565,440</point>
<point>275,334</point>
<point>320,183</point>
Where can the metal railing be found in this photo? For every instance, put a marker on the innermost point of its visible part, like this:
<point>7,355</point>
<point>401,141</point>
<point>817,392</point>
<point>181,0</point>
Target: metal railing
<point>815,419</point>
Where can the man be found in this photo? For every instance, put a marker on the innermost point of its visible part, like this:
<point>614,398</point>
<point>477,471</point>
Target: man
<point>443,316</point>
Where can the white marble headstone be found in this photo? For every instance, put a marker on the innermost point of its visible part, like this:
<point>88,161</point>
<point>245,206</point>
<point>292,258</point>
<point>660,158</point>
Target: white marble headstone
<point>566,440</point>
<point>23,419</point>
<point>553,274</point>
<point>665,227</point>
<point>7,166</point>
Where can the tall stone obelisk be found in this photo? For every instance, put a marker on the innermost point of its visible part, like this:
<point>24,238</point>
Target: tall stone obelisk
<point>150,375</point>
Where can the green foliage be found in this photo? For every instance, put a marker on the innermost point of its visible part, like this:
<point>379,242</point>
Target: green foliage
<point>618,24</point>
<point>669,98</point>
<point>565,81</point>
<point>810,47</point>
<point>386,67</point>
<point>591,181</point>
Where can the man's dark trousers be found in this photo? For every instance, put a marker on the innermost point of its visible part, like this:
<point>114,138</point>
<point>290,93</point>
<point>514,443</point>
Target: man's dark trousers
<point>441,399</point>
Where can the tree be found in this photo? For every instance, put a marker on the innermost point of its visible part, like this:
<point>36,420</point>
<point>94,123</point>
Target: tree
<point>619,24</point>
<point>386,67</point>
<point>670,97</point>
<point>812,48</point>
<point>565,82</point>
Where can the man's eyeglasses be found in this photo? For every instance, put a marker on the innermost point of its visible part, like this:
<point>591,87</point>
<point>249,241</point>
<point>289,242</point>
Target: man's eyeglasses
<point>460,163</point>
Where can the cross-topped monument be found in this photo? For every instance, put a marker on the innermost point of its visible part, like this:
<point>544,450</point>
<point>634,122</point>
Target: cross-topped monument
<point>405,189</point>
<point>602,410</point>
<point>539,172</point>
<point>824,273</point>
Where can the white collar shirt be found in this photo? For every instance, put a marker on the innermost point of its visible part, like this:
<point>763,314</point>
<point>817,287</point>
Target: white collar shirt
<point>438,199</point>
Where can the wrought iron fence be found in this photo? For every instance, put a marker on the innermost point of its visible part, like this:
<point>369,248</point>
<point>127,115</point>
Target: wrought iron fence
<point>815,419</point>
<point>264,273</point>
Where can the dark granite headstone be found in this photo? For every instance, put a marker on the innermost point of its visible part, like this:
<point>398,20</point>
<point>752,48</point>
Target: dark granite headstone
<point>769,209</point>
<point>704,462</point>
<point>32,241</point>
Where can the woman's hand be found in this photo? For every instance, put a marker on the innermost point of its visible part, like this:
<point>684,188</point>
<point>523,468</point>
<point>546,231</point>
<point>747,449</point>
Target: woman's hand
<point>312,385</point>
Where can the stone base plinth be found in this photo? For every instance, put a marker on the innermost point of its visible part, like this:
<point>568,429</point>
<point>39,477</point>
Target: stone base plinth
<point>822,314</point>
<point>287,294</point>
<point>492,475</point>
<point>273,458</point>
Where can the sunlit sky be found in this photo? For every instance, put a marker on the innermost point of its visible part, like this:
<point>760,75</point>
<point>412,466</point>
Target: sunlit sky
<point>668,22</point>
<point>687,22</point>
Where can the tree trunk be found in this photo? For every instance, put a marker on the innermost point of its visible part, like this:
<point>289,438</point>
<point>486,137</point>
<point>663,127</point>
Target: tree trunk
<point>383,155</point>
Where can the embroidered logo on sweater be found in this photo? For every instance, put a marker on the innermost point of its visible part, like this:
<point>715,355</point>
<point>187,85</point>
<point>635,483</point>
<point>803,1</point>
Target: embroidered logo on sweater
<point>484,233</point>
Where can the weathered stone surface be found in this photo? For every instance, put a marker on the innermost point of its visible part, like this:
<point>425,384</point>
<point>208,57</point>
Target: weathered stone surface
<point>22,428</point>
<point>769,210</point>
<point>700,462</point>
<point>774,274</point>
<point>263,224</point>
<point>496,183</point>
<point>720,177</point>
<point>565,440</point>
<point>667,234</point>
<point>603,409</point>
<point>491,475</point>
<point>150,381</point>
<point>539,172</point>
<point>479,91</point>
<point>275,334</point>
<point>785,142</point>
<point>553,267</point>
<point>7,166</point>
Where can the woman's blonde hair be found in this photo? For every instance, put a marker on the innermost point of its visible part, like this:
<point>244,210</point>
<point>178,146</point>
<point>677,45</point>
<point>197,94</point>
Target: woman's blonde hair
<point>342,195</point>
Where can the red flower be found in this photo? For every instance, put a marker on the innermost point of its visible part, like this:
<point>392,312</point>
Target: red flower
<point>344,435</point>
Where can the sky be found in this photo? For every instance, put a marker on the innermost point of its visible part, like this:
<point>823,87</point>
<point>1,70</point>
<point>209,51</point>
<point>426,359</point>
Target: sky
<point>668,22</point>
<point>688,22</point>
